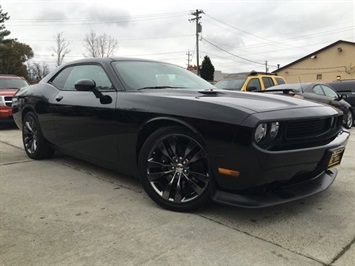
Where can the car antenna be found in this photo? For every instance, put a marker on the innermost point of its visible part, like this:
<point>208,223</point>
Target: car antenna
<point>299,79</point>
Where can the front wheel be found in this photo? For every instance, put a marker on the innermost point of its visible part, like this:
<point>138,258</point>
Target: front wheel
<point>36,146</point>
<point>348,120</point>
<point>174,169</point>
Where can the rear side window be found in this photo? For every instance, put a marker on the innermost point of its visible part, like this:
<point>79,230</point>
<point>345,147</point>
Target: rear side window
<point>268,82</point>
<point>280,81</point>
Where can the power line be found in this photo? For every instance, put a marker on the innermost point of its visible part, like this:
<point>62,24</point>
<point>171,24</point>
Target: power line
<point>232,53</point>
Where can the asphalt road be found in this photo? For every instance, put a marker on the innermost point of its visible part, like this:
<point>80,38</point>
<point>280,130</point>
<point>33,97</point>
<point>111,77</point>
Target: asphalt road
<point>67,212</point>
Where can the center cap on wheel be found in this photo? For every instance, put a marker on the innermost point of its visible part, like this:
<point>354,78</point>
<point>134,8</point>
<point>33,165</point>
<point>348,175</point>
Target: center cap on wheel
<point>179,166</point>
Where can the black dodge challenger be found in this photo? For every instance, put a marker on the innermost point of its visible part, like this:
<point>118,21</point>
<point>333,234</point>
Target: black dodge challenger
<point>187,141</point>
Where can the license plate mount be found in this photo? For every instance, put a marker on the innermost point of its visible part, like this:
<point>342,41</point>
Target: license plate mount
<point>335,157</point>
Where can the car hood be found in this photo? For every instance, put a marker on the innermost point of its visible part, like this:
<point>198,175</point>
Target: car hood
<point>251,102</point>
<point>223,106</point>
<point>7,92</point>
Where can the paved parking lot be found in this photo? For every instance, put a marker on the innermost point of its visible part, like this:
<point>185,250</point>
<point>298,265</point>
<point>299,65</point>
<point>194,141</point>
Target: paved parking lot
<point>67,212</point>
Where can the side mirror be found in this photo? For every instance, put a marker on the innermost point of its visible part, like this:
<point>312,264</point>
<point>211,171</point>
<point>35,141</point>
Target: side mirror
<point>85,85</point>
<point>343,96</point>
<point>90,85</point>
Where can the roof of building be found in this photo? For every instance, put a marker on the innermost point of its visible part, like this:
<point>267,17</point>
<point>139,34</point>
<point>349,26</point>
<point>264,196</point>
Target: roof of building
<point>313,53</point>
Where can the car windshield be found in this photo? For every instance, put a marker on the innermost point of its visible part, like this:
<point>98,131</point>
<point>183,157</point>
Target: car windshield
<point>8,83</point>
<point>138,75</point>
<point>231,84</point>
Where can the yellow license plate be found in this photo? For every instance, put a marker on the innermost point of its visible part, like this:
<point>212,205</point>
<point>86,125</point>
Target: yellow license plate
<point>336,157</point>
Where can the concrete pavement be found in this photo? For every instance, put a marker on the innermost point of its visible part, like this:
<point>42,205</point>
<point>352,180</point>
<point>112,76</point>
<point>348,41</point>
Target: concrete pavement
<point>67,212</point>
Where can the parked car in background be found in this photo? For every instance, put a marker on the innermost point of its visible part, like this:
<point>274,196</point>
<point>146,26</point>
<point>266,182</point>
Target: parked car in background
<point>9,84</point>
<point>345,87</point>
<point>186,140</point>
<point>319,92</point>
<point>249,81</point>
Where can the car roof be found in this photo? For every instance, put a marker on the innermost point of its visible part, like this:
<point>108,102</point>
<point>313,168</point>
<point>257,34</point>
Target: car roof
<point>107,60</point>
<point>248,74</point>
<point>343,85</point>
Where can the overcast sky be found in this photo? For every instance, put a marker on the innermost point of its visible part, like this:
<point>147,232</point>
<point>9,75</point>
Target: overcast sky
<point>237,35</point>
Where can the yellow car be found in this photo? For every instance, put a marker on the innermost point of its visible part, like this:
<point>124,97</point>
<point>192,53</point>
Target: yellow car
<point>251,81</point>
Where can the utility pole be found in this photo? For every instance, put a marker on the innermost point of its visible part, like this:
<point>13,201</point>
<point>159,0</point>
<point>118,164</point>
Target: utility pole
<point>188,59</point>
<point>266,68</point>
<point>198,30</point>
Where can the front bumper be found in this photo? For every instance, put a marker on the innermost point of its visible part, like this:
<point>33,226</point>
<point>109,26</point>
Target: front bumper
<point>281,194</point>
<point>5,112</point>
<point>270,178</point>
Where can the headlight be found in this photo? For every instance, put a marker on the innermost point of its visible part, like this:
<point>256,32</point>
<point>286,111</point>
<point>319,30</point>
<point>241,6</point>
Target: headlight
<point>260,132</point>
<point>274,129</point>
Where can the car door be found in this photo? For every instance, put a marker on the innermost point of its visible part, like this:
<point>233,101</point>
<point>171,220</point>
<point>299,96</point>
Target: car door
<point>85,126</point>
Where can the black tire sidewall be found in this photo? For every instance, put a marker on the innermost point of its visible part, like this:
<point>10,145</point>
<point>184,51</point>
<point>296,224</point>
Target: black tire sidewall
<point>142,164</point>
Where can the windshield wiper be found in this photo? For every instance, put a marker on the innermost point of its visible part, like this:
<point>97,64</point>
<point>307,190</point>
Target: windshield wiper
<point>157,87</point>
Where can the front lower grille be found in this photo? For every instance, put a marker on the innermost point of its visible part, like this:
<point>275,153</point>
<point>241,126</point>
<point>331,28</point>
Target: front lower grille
<point>308,128</point>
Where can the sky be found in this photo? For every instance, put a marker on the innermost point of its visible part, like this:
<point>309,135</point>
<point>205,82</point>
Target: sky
<point>236,35</point>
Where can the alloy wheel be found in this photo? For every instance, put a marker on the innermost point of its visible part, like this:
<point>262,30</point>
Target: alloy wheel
<point>177,168</point>
<point>30,135</point>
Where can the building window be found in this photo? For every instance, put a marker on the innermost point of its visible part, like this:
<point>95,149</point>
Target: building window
<point>319,76</point>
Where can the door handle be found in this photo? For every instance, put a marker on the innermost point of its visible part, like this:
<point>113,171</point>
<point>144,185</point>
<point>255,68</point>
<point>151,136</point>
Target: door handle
<point>59,98</point>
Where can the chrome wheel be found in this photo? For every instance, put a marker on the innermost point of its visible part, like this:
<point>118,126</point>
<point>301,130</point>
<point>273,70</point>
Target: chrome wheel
<point>174,169</point>
<point>30,135</point>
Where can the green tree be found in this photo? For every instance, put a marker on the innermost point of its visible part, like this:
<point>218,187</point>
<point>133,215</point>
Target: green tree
<point>13,55</point>
<point>3,31</point>
<point>207,69</point>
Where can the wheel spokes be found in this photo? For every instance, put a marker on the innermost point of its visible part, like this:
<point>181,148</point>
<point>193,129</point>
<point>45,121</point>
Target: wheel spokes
<point>30,135</point>
<point>199,190</point>
<point>157,175</point>
<point>173,180</point>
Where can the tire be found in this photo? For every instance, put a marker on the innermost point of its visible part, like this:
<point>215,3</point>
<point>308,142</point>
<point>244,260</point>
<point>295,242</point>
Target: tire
<point>348,120</point>
<point>36,146</point>
<point>174,170</point>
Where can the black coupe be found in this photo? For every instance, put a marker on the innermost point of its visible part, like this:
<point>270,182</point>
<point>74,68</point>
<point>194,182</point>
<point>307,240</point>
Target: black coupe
<point>187,141</point>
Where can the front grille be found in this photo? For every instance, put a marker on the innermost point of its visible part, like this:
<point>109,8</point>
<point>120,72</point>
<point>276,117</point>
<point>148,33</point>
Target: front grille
<point>307,128</point>
<point>8,100</point>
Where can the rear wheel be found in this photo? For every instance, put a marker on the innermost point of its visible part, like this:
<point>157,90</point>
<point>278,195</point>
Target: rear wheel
<point>174,169</point>
<point>36,146</point>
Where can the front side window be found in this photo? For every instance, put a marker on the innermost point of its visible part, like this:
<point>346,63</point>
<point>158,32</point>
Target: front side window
<point>254,83</point>
<point>329,92</point>
<point>144,74</point>
<point>67,78</point>
<point>318,90</point>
